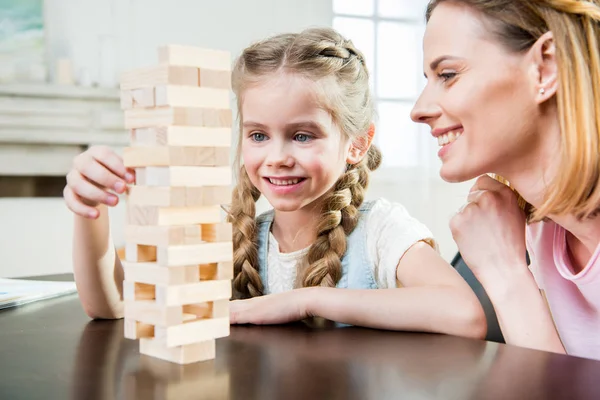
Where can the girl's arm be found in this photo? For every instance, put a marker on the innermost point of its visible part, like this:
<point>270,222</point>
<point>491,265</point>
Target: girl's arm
<point>434,298</point>
<point>97,268</point>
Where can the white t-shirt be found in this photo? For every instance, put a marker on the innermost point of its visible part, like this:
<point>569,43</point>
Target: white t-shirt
<point>391,231</point>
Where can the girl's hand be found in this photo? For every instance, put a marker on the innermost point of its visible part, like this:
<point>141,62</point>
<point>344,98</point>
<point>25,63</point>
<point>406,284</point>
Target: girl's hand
<point>490,232</point>
<point>95,174</point>
<point>278,308</point>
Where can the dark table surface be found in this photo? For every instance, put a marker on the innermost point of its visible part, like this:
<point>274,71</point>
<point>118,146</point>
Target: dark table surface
<point>52,350</point>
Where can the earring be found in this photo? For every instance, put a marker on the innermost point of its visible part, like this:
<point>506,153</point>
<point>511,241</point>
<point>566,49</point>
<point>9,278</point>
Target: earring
<point>542,91</point>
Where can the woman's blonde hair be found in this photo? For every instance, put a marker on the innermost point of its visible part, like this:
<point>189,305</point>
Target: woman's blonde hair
<point>340,75</point>
<point>576,29</point>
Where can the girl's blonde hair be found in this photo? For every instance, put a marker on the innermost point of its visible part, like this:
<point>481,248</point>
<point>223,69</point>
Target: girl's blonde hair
<point>340,75</point>
<point>576,29</point>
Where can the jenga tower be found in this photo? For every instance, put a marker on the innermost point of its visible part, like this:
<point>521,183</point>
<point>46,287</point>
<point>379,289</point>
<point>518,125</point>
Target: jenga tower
<point>179,252</point>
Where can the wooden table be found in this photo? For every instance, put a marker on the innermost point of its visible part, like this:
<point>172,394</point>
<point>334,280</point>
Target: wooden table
<point>52,350</point>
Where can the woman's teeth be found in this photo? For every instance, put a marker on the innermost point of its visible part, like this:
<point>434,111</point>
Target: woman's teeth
<point>448,138</point>
<point>284,182</point>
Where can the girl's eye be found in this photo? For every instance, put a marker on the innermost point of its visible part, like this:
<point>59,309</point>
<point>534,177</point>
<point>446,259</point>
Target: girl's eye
<point>258,137</point>
<point>446,76</point>
<point>302,137</point>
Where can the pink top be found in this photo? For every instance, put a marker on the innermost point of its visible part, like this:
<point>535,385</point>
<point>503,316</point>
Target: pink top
<point>574,299</point>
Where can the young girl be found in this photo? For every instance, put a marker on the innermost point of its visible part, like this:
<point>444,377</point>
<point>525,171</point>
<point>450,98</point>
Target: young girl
<point>305,144</point>
<point>514,89</point>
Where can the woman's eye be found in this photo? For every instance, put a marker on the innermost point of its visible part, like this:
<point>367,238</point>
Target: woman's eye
<point>258,137</point>
<point>446,76</point>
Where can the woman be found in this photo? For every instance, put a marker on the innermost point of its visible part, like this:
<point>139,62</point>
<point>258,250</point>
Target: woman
<point>514,90</point>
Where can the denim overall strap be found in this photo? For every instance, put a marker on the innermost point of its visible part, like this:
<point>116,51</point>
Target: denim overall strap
<point>357,266</point>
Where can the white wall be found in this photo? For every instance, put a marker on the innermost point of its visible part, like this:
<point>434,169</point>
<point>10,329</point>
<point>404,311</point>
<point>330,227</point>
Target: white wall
<point>36,234</point>
<point>105,36</point>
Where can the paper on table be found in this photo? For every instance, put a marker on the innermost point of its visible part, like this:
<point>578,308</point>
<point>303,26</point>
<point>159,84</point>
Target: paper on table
<point>16,292</point>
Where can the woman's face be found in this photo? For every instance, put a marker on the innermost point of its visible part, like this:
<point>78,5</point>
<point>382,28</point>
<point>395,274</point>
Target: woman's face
<point>480,98</point>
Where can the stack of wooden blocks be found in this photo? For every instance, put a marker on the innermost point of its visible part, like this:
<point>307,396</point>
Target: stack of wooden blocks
<point>178,253</point>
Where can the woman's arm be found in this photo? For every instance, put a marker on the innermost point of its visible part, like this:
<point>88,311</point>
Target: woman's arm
<point>522,311</point>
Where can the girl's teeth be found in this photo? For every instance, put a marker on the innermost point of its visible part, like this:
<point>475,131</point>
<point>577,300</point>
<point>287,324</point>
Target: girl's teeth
<point>284,182</point>
<point>448,138</point>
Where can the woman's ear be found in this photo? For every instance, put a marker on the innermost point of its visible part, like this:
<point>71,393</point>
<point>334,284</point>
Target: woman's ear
<point>360,146</point>
<point>545,67</point>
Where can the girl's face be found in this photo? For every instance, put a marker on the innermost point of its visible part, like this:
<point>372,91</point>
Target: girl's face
<point>480,98</point>
<point>291,148</point>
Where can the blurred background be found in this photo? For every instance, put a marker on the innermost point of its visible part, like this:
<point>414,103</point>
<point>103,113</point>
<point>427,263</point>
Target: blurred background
<point>60,62</point>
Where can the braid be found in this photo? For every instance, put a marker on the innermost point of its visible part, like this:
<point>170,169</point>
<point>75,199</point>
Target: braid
<point>339,218</point>
<point>246,281</point>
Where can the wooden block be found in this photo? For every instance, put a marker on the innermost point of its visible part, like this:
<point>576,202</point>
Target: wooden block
<point>163,235</point>
<point>136,330</point>
<point>205,253</point>
<point>139,253</point>
<point>195,57</point>
<point>171,196</point>
<point>170,373</point>
<point>221,232</point>
<point>216,271</point>
<point>193,293</point>
<point>208,195</point>
<point>150,215</point>
<point>154,274</point>
<point>215,79</point>
<point>182,136</point>
<point>138,291</point>
<point>188,96</point>
<point>162,116</point>
<point>188,176</point>
<point>220,308</point>
<point>187,354</point>
<point>176,156</point>
<point>140,176</point>
<point>126,100</point>
<point>159,75</point>
<point>143,98</point>
<point>157,196</point>
<point>151,313</point>
<point>193,332</point>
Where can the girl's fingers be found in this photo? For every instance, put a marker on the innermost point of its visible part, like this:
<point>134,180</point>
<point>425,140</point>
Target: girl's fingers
<point>75,204</point>
<point>101,176</point>
<point>88,192</point>
<point>112,161</point>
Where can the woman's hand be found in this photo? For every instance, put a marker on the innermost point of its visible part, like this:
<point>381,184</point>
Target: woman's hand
<point>96,176</point>
<point>490,232</point>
